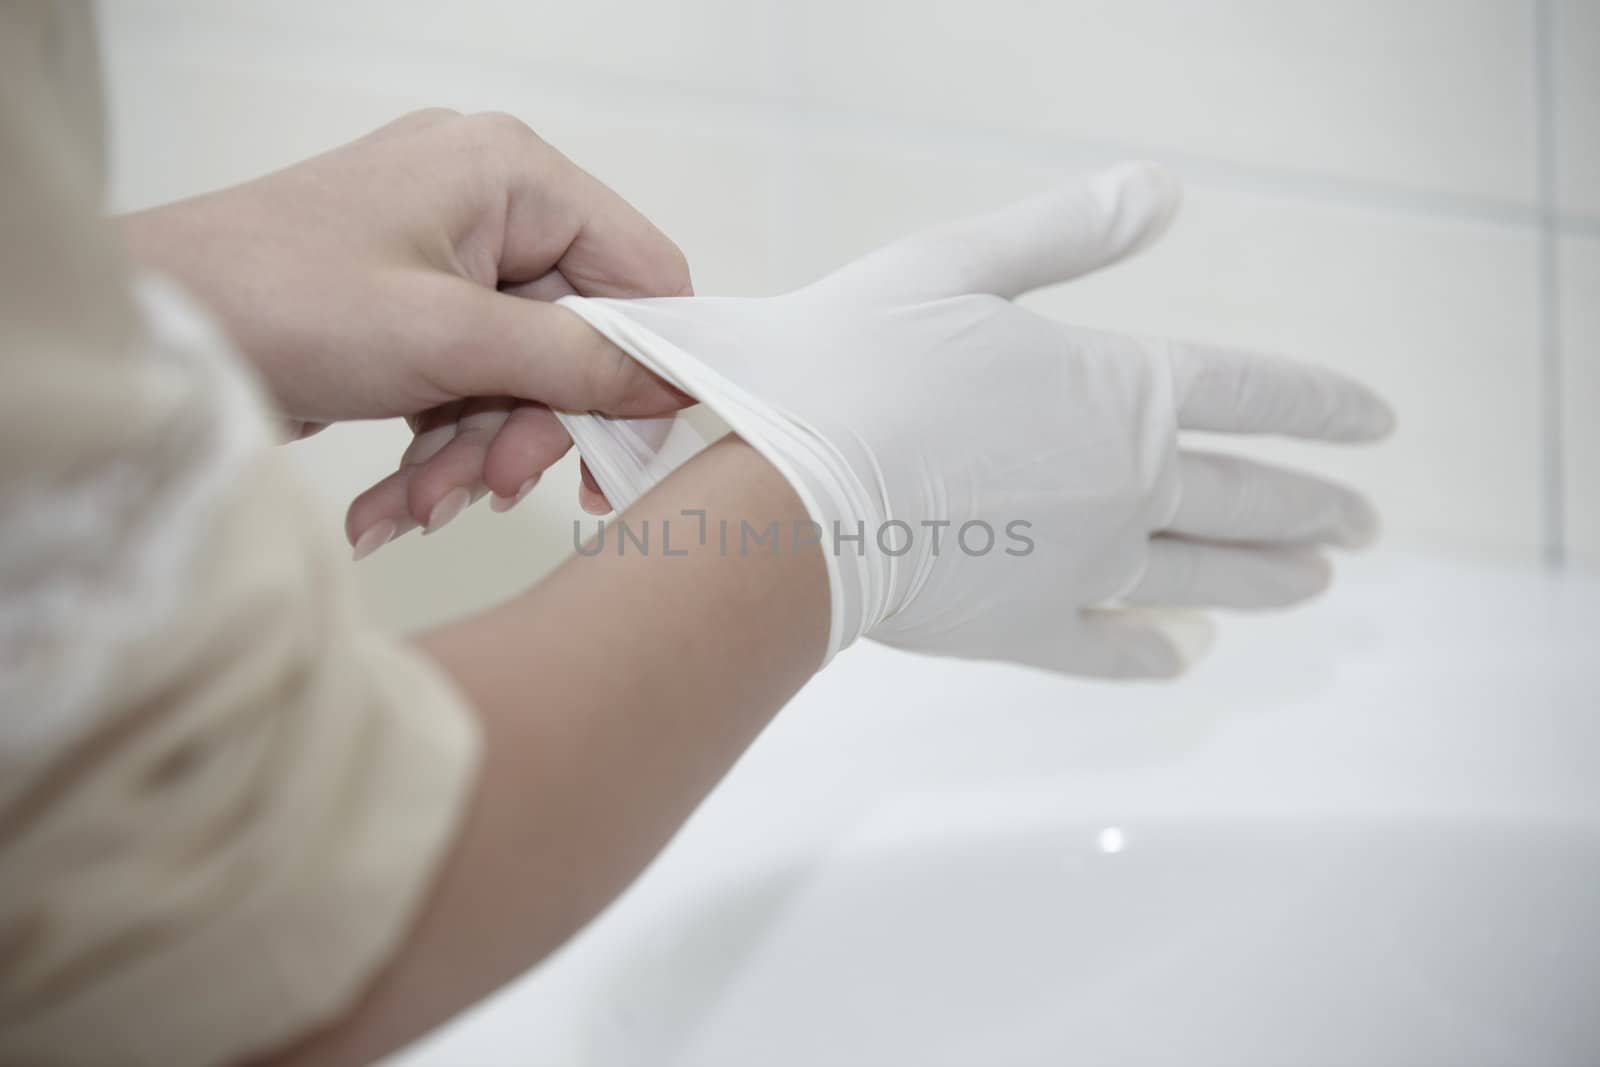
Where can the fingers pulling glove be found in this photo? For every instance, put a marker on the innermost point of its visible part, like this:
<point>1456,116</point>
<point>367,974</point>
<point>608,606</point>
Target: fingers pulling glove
<point>990,483</point>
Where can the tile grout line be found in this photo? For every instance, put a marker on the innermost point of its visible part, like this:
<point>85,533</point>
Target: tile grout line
<point>1552,443</point>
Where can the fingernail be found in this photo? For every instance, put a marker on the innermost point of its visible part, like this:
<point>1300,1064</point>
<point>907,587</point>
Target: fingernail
<point>506,503</point>
<point>373,538</point>
<point>452,504</point>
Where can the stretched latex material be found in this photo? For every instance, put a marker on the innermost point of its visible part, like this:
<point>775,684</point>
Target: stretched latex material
<point>1028,474</point>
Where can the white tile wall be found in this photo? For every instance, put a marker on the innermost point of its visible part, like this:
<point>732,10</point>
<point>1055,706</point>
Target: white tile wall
<point>1434,94</point>
<point>1580,333</point>
<point>179,126</point>
<point>1364,183</point>
<point>182,125</point>
<point>725,44</point>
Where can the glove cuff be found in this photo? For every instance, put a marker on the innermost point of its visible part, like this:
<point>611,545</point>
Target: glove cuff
<point>630,456</point>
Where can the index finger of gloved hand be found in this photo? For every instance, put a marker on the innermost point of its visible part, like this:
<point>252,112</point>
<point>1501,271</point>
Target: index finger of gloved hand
<point>1230,498</point>
<point>1058,235</point>
<point>493,344</point>
<point>1235,391</point>
<point>1197,574</point>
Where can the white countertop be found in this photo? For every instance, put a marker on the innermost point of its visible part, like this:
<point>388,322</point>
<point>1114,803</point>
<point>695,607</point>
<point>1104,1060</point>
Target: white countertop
<point>1416,689</point>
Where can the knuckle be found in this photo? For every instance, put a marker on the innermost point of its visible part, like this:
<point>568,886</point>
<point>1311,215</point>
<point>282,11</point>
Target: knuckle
<point>431,116</point>
<point>501,129</point>
<point>503,144</point>
<point>413,122</point>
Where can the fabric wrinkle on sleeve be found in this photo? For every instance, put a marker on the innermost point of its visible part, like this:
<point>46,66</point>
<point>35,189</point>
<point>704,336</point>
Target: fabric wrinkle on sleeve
<point>224,794</point>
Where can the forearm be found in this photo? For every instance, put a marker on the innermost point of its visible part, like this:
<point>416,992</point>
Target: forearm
<point>613,697</point>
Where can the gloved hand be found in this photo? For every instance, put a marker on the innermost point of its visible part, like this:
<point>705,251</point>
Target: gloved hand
<point>1017,481</point>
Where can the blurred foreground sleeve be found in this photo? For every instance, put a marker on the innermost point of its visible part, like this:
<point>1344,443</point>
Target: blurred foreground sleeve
<point>222,793</point>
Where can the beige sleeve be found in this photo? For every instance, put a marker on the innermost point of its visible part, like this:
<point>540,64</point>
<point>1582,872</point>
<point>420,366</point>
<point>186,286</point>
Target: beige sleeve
<point>222,793</point>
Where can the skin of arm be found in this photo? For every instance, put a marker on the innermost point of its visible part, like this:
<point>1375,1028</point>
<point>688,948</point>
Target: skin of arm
<point>612,697</point>
<point>411,273</point>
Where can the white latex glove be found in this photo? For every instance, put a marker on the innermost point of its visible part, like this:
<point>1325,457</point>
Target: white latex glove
<point>907,387</point>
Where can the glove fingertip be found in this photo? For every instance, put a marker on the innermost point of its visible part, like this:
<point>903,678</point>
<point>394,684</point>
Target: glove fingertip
<point>1141,200</point>
<point>1170,641</point>
<point>1360,525</point>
